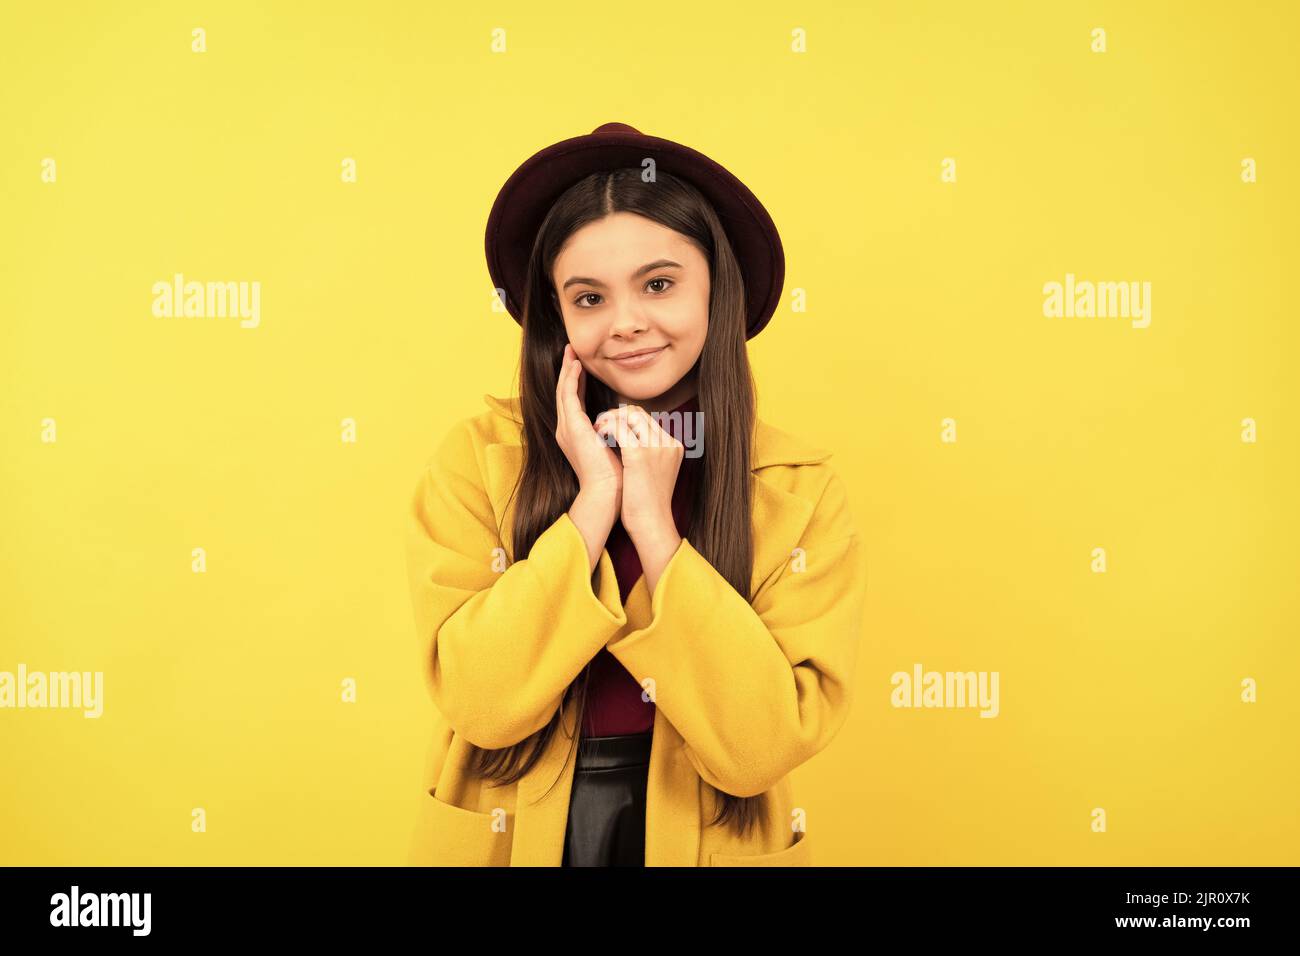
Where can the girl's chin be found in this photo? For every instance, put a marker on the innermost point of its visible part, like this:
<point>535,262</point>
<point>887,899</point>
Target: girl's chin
<point>638,391</point>
<point>635,393</point>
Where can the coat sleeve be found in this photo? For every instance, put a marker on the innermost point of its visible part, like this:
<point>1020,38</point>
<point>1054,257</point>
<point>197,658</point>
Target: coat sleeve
<point>498,647</point>
<point>756,690</point>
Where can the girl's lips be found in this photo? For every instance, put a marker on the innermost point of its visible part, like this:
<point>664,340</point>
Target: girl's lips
<point>639,361</point>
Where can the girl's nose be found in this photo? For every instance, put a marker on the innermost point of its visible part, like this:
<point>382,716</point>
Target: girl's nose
<point>628,322</point>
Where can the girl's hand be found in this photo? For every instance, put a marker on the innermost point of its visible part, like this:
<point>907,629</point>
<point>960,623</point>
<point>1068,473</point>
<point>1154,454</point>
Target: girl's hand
<point>651,458</point>
<point>594,462</point>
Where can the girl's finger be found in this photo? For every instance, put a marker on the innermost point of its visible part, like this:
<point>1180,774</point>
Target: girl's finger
<point>659,436</point>
<point>647,425</point>
<point>571,409</point>
<point>609,434</point>
<point>636,424</point>
<point>615,425</point>
<point>559,391</point>
<point>580,385</point>
<point>572,395</point>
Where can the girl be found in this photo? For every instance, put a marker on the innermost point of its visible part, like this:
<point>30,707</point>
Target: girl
<point>623,562</point>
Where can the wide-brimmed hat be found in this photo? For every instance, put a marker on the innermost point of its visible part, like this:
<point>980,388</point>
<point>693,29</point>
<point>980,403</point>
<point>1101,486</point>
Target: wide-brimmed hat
<point>532,189</point>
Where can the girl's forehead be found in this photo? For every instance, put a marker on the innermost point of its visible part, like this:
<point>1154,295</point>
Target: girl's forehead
<point>602,250</point>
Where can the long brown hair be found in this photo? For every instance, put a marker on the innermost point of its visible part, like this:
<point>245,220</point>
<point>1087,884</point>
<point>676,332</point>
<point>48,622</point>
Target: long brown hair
<point>719,524</point>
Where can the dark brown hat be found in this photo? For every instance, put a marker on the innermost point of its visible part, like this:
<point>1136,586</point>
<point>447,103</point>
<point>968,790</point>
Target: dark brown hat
<point>532,189</point>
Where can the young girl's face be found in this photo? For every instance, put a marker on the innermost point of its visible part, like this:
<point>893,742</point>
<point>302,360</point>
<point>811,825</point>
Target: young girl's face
<point>628,284</point>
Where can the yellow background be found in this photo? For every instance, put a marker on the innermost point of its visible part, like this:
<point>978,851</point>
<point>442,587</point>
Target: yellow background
<point>222,690</point>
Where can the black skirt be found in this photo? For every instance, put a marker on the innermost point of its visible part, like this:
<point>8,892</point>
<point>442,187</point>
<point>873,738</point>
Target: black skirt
<point>607,806</point>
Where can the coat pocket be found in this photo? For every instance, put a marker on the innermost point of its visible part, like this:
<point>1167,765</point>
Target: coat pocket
<point>448,835</point>
<point>797,854</point>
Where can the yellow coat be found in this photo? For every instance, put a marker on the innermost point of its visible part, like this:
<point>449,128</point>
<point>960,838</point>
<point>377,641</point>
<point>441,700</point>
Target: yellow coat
<point>744,693</point>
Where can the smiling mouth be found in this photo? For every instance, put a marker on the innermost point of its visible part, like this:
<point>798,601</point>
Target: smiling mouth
<point>641,358</point>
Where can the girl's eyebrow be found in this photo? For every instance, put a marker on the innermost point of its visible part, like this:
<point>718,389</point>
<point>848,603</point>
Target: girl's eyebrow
<point>648,267</point>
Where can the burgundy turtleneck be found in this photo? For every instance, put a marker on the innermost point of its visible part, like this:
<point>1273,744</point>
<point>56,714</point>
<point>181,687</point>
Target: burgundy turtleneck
<point>614,704</point>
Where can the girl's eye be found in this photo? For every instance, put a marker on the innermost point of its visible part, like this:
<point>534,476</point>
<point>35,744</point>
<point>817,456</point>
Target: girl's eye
<point>587,295</point>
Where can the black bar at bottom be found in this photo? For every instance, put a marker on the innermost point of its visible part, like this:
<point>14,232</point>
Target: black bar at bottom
<point>921,904</point>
